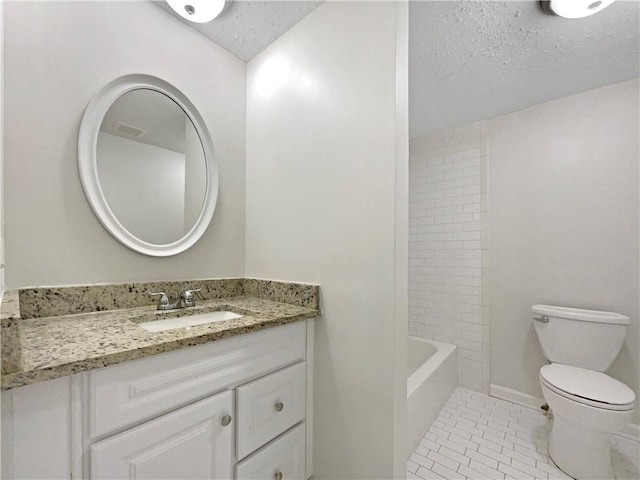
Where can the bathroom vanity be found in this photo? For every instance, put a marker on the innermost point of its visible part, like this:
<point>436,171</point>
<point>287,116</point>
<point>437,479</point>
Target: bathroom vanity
<point>230,399</point>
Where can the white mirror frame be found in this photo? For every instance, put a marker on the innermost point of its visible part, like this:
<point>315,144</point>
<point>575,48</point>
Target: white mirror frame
<point>88,165</point>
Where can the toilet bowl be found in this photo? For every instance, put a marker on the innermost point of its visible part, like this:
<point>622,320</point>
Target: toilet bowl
<point>587,405</point>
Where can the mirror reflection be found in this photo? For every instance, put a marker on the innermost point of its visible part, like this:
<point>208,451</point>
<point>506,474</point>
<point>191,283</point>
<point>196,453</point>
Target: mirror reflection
<point>151,166</point>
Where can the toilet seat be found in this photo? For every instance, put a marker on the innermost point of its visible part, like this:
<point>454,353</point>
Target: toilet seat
<point>587,387</point>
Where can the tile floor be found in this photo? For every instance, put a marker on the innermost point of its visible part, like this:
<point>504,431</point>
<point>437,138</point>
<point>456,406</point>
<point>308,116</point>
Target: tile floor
<point>480,437</point>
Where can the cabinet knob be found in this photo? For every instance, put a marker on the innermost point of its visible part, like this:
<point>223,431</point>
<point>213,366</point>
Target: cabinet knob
<point>226,420</point>
<point>278,476</point>
<point>279,407</point>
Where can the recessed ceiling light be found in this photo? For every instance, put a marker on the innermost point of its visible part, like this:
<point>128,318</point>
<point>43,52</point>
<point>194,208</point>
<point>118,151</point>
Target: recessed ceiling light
<point>198,11</point>
<point>578,8</point>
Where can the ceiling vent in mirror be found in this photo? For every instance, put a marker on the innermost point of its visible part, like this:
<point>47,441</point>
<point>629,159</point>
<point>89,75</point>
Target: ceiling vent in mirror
<point>198,11</point>
<point>575,8</point>
<point>128,130</point>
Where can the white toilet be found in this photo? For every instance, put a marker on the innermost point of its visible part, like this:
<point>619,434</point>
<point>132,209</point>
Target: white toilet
<point>587,405</point>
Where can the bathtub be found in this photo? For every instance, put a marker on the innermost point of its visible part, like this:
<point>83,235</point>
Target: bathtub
<point>432,378</point>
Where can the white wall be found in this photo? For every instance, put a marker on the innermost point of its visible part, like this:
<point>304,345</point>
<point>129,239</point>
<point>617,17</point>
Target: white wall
<point>1,183</point>
<point>447,210</point>
<point>57,56</point>
<point>401,317</point>
<point>322,128</point>
<point>563,201</point>
<point>144,186</point>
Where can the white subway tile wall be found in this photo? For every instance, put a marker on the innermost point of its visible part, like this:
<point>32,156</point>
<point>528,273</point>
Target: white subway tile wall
<point>448,300</point>
<point>479,437</point>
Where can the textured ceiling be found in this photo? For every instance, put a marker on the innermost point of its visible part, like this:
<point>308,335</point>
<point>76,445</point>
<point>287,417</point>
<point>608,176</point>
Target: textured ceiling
<point>245,28</point>
<point>471,60</point>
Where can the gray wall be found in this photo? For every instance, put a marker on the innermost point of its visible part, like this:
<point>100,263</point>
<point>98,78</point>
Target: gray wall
<point>1,154</point>
<point>563,203</point>
<point>327,140</point>
<point>57,56</point>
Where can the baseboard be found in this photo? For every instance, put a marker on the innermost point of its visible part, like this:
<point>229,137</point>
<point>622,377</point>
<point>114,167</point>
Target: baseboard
<point>631,431</point>
<point>519,398</point>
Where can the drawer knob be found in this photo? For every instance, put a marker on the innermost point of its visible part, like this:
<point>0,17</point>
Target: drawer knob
<point>278,476</point>
<point>279,407</point>
<point>226,420</point>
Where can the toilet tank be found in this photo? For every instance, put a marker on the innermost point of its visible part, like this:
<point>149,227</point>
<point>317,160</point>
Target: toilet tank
<point>582,338</point>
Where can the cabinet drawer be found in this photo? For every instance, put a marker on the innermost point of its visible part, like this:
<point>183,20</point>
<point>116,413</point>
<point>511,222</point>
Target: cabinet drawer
<point>269,406</point>
<point>139,390</point>
<point>284,459</point>
<point>194,442</point>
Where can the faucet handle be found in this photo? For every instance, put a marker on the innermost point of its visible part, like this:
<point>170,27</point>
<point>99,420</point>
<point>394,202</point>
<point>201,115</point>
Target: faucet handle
<point>164,300</point>
<point>188,297</point>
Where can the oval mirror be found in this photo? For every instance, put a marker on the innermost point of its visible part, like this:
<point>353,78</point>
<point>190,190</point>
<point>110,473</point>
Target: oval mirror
<point>146,164</point>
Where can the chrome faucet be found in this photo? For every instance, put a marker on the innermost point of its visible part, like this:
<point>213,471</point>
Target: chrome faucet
<point>186,300</point>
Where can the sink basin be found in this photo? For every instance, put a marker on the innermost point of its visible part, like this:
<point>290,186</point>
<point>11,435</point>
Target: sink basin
<point>190,321</point>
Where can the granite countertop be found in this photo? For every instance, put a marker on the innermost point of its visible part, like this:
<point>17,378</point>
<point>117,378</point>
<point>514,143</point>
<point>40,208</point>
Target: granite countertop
<point>39,349</point>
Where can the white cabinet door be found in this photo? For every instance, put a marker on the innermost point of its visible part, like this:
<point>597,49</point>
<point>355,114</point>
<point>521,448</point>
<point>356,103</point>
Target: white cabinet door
<point>283,459</point>
<point>190,443</point>
<point>35,431</point>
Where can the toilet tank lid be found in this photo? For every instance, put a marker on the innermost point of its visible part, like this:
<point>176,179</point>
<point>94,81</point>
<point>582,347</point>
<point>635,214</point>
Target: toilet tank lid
<point>579,314</point>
